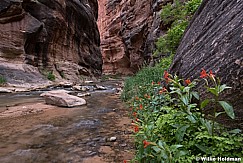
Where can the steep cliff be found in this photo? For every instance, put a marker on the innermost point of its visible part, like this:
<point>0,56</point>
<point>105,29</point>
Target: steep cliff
<point>49,35</point>
<point>214,41</point>
<point>128,30</point>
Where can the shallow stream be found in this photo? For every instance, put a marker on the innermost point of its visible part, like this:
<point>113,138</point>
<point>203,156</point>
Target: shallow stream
<point>31,131</point>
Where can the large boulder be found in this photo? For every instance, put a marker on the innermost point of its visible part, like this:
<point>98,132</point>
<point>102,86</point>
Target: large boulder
<point>62,98</point>
<point>214,41</point>
<point>52,35</point>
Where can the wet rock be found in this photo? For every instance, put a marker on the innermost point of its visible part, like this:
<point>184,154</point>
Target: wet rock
<point>77,87</point>
<point>85,88</point>
<point>83,94</point>
<point>5,90</point>
<point>91,144</point>
<point>21,90</point>
<point>96,139</point>
<point>99,87</point>
<point>67,85</point>
<point>118,91</point>
<point>91,153</point>
<point>61,98</point>
<point>112,139</point>
<point>123,145</point>
<point>88,82</point>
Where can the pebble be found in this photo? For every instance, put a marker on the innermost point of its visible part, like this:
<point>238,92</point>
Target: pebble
<point>99,87</point>
<point>83,94</point>
<point>123,145</point>
<point>87,82</point>
<point>112,139</point>
<point>96,139</point>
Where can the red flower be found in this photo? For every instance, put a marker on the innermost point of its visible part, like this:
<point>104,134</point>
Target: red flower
<point>147,96</point>
<point>211,74</point>
<point>188,81</point>
<point>166,76</point>
<point>203,74</point>
<point>136,129</point>
<point>159,82</point>
<point>141,106</point>
<point>152,83</point>
<point>134,114</point>
<point>124,161</point>
<point>136,98</point>
<point>162,90</point>
<point>145,143</point>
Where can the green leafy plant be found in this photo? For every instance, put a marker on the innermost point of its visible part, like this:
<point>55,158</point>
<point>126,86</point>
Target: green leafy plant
<point>216,91</point>
<point>2,80</point>
<point>192,5</point>
<point>177,16</point>
<point>173,12</point>
<point>146,75</point>
<point>51,76</point>
<point>170,127</point>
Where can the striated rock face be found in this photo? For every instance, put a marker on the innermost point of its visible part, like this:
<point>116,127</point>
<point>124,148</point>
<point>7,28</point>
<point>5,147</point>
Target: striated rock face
<point>52,35</point>
<point>214,41</point>
<point>128,29</point>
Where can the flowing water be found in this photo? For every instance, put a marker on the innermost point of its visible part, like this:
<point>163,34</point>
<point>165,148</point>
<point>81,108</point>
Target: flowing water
<point>33,132</point>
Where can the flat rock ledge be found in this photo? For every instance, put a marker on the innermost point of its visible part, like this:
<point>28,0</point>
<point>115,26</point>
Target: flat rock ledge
<point>62,98</point>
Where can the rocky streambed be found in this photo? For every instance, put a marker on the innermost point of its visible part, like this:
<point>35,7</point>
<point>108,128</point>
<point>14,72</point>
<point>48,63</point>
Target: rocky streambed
<point>32,131</point>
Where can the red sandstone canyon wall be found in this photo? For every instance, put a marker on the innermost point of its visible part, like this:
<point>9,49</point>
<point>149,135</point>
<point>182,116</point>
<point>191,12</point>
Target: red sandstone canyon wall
<point>128,29</point>
<point>49,35</point>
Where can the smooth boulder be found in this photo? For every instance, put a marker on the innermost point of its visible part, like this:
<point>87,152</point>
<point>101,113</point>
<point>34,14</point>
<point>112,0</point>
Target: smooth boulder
<point>62,98</point>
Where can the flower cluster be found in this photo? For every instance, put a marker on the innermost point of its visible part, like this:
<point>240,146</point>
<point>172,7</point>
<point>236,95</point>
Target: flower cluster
<point>146,143</point>
<point>166,76</point>
<point>164,115</point>
<point>204,74</point>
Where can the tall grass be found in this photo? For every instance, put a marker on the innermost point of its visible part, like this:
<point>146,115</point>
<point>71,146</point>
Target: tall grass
<point>134,85</point>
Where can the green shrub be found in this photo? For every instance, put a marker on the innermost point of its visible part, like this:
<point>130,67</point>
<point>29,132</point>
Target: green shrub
<point>191,6</point>
<point>170,41</point>
<point>51,76</point>
<point>177,16</point>
<point>173,12</point>
<point>133,85</point>
<point>2,80</point>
